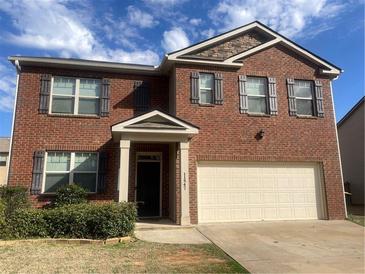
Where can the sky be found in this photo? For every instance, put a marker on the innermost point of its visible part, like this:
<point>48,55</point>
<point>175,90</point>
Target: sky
<point>143,31</point>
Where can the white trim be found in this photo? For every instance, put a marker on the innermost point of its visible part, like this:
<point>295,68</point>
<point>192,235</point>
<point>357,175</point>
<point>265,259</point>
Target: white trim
<point>136,174</point>
<point>338,149</point>
<point>176,56</point>
<point>13,121</point>
<point>187,129</point>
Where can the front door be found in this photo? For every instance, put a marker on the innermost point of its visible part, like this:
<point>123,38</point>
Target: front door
<point>148,185</point>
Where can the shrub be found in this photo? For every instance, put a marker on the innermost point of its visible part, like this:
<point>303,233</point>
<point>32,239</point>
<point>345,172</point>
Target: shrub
<point>69,195</point>
<point>14,198</point>
<point>27,223</point>
<point>93,221</point>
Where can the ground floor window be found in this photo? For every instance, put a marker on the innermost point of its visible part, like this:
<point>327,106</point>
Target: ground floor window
<point>64,168</point>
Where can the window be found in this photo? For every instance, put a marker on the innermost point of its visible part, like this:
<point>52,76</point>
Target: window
<point>63,168</point>
<point>256,88</point>
<point>75,96</point>
<point>206,82</point>
<point>303,91</point>
<point>3,159</point>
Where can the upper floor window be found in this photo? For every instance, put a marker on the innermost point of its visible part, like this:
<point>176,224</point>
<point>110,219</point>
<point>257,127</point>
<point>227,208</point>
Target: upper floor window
<point>256,88</point>
<point>206,84</point>
<point>303,92</point>
<point>3,159</point>
<point>75,95</point>
<point>63,168</point>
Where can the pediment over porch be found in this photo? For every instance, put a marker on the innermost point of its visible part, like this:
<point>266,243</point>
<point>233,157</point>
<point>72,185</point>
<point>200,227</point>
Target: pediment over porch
<point>152,126</point>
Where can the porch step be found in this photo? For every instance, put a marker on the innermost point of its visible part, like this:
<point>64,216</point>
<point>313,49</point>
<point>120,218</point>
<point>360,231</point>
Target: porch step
<point>159,224</point>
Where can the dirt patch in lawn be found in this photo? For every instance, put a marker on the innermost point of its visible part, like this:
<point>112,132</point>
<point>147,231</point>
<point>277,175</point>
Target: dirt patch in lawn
<point>134,256</point>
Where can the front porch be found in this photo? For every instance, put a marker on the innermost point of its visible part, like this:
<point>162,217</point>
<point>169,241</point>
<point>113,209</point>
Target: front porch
<point>154,165</point>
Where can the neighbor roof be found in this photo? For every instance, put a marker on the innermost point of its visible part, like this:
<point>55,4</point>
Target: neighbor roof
<point>351,111</point>
<point>178,56</point>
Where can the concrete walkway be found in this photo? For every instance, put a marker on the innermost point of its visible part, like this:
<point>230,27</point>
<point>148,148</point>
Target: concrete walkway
<point>172,236</point>
<point>292,246</point>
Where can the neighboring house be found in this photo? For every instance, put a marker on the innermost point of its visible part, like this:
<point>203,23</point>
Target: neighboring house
<point>4,159</point>
<point>238,127</point>
<point>351,140</point>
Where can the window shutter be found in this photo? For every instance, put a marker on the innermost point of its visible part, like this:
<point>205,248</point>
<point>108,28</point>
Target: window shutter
<point>38,166</point>
<point>45,93</point>
<point>105,98</point>
<point>243,94</point>
<point>218,89</point>
<point>319,98</point>
<point>291,96</point>
<point>194,87</point>
<point>141,96</point>
<point>103,160</point>
<point>273,104</point>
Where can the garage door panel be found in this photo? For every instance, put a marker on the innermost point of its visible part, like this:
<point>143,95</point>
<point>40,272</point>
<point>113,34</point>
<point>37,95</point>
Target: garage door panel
<point>236,191</point>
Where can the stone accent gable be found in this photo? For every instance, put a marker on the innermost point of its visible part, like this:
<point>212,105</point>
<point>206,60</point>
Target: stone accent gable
<point>231,47</point>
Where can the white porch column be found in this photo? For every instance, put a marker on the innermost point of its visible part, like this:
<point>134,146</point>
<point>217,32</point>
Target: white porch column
<point>184,177</point>
<point>123,177</point>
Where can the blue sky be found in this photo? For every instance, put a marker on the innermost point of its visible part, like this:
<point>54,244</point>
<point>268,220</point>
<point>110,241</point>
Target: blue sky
<point>142,31</point>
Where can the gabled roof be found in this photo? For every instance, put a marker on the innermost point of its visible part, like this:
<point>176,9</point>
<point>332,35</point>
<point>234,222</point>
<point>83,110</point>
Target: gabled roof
<point>351,111</point>
<point>274,38</point>
<point>155,122</point>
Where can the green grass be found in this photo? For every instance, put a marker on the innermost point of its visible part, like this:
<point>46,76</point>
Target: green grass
<point>132,257</point>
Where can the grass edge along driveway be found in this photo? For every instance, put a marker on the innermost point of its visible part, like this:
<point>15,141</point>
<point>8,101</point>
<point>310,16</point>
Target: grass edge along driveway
<point>133,256</point>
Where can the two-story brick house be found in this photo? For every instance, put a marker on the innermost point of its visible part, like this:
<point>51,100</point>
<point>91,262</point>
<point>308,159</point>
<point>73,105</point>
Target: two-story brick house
<point>238,127</point>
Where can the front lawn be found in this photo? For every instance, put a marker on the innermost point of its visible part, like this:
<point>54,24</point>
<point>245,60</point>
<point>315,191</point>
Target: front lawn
<point>134,256</point>
<point>357,219</point>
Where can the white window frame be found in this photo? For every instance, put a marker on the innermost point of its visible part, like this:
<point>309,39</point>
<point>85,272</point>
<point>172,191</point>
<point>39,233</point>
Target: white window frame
<point>259,96</point>
<point>6,155</point>
<point>76,96</point>
<point>71,172</point>
<point>306,98</point>
<point>203,88</point>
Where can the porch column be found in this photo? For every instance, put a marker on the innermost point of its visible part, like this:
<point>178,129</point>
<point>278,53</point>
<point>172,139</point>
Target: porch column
<point>123,177</point>
<point>184,177</point>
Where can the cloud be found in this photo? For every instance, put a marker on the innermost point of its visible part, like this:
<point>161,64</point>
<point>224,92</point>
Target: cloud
<point>53,26</point>
<point>195,21</point>
<point>175,39</point>
<point>7,87</point>
<point>289,17</point>
<point>165,3</point>
<point>139,18</point>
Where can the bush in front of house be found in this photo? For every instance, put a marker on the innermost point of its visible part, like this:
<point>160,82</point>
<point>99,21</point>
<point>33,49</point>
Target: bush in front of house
<point>14,198</point>
<point>91,221</point>
<point>69,195</point>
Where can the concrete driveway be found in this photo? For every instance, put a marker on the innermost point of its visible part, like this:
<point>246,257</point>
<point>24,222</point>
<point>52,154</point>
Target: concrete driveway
<point>292,246</point>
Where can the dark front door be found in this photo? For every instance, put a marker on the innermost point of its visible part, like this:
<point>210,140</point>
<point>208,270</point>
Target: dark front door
<point>148,189</point>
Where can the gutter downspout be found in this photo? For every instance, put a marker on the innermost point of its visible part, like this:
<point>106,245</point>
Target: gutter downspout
<point>338,148</point>
<point>18,69</point>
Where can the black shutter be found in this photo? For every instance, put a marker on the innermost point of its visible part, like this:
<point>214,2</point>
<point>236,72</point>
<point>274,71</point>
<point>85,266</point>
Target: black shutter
<point>291,97</point>
<point>242,93</point>
<point>38,166</point>
<point>45,91</point>
<point>273,104</point>
<point>319,98</point>
<point>194,96</point>
<point>141,95</point>
<point>103,160</point>
<point>105,98</point>
<point>218,88</point>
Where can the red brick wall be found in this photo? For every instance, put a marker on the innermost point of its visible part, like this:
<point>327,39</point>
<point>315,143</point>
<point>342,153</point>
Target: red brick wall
<point>34,131</point>
<point>225,134</point>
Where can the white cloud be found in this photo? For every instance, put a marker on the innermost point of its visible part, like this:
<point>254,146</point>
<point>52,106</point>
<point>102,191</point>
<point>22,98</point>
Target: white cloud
<point>51,25</point>
<point>7,87</point>
<point>208,33</point>
<point>139,18</point>
<point>165,2</point>
<point>289,17</point>
<point>195,21</point>
<point>175,39</point>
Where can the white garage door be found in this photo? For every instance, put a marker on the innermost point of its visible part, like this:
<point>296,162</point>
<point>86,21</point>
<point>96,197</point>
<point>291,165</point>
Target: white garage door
<point>236,191</point>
